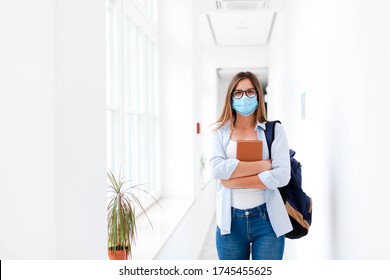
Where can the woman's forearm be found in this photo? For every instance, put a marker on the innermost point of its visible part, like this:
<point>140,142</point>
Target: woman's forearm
<point>248,168</point>
<point>249,182</point>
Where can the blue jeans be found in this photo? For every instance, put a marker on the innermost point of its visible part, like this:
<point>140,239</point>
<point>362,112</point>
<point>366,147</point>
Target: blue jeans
<point>251,234</point>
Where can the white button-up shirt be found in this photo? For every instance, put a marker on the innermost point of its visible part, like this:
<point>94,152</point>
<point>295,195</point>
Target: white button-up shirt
<point>278,176</point>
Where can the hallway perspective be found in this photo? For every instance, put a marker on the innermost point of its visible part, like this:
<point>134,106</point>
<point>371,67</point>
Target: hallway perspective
<point>133,86</point>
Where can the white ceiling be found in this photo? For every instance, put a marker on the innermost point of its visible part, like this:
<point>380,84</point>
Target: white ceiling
<point>241,28</point>
<point>237,22</point>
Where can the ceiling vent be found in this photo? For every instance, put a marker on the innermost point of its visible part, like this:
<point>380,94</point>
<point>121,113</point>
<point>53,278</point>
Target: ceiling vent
<point>242,5</point>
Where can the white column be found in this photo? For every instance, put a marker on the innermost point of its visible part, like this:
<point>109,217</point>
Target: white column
<point>80,130</point>
<point>27,125</point>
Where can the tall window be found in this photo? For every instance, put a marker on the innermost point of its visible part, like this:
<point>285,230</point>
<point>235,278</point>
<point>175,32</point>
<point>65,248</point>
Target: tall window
<point>133,99</point>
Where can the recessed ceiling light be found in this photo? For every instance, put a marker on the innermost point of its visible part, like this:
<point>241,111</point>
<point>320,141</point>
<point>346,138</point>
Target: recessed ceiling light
<point>242,4</point>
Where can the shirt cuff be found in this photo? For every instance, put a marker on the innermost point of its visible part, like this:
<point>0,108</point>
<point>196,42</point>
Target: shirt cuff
<point>266,178</point>
<point>232,165</point>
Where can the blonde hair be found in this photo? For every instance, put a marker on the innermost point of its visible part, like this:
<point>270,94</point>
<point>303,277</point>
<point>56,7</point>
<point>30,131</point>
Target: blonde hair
<point>228,113</point>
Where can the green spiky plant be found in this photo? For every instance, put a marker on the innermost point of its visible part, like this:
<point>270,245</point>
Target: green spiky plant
<point>121,213</point>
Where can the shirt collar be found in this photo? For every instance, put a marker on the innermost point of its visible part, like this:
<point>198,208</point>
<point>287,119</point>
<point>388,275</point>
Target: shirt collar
<point>262,125</point>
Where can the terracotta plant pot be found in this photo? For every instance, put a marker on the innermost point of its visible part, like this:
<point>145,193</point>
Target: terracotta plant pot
<point>118,254</point>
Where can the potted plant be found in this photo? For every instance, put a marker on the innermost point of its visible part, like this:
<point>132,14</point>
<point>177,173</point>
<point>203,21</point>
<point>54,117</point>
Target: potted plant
<point>121,216</point>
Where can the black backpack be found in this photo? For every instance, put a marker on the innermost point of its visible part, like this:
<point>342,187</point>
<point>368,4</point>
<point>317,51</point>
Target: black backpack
<point>298,204</point>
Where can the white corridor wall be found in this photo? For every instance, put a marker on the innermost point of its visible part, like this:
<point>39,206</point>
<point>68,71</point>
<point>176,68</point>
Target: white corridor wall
<point>337,53</point>
<point>52,125</point>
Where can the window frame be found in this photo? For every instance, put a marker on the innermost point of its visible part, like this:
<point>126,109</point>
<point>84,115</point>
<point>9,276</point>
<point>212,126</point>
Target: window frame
<point>128,141</point>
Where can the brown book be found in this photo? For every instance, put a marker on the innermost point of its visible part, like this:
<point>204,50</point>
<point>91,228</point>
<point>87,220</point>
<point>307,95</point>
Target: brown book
<point>249,150</point>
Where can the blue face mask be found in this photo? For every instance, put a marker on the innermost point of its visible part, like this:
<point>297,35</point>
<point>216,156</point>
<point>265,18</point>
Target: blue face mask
<point>245,105</point>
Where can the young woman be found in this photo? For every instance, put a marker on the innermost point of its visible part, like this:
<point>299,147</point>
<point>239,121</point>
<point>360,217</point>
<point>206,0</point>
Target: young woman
<point>251,216</point>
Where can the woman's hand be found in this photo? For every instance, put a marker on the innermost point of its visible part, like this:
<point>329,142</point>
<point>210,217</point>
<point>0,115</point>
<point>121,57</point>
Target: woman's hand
<point>249,182</point>
<point>248,168</point>
<point>267,164</point>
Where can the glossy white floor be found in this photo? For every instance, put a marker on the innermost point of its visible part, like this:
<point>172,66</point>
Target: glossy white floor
<point>209,251</point>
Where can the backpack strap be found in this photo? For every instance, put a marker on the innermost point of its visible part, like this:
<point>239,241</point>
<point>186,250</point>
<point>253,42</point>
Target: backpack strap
<point>270,134</point>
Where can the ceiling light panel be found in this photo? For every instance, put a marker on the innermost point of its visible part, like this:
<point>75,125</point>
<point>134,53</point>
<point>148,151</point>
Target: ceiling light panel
<point>241,28</point>
<point>241,5</point>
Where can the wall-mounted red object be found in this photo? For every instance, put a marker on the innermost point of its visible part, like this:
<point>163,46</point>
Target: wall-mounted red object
<point>197,128</point>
